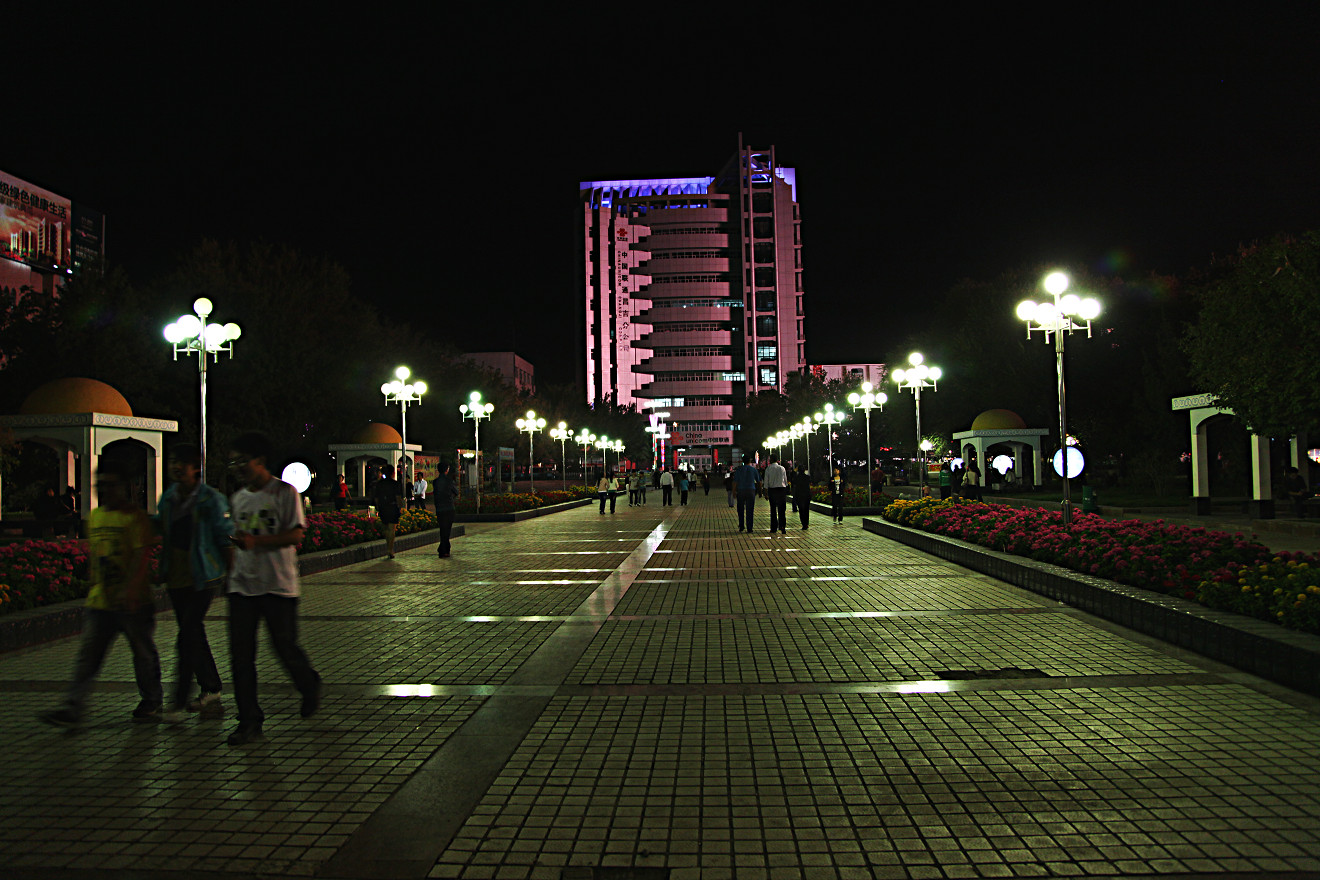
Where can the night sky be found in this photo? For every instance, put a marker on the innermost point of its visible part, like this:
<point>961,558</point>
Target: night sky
<point>437,156</point>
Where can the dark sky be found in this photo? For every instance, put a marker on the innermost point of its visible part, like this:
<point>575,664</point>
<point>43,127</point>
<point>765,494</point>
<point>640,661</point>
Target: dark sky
<point>437,157</point>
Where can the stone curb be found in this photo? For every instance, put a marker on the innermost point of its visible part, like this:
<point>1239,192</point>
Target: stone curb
<point>1280,655</point>
<point>34,626</point>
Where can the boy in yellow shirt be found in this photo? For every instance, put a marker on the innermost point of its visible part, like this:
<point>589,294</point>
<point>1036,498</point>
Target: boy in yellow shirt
<point>119,600</point>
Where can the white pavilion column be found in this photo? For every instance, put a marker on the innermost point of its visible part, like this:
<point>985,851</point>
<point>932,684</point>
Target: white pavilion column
<point>1262,490</point>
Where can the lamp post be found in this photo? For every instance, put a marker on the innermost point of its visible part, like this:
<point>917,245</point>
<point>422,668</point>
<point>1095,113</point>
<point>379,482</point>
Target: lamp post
<point>808,428</point>
<point>830,417</point>
<point>584,439</point>
<point>561,433</point>
<point>920,375</point>
<point>1061,317</point>
<point>475,410</point>
<point>191,334</point>
<point>868,400</point>
<point>530,425</point>
<point>402,393</point>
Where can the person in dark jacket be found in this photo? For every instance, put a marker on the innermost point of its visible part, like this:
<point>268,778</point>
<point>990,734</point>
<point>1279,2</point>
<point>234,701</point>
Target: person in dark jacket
<point>801,483</point>
<point>443,491</point>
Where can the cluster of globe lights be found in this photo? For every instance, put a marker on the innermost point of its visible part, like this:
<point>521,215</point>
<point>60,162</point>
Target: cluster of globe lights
<point>191,329</point>
<point>400,389</point>
<point>1058,315</point>
<point>918,374</point>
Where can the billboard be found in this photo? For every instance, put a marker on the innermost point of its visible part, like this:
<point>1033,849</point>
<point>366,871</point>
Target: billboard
<point>36,226</point>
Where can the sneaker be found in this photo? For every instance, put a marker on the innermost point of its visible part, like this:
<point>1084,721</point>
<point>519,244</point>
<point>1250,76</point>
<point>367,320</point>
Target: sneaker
<point>147,713</point>
<point>244,734</point>
<point>59,718</point>
<point>311,700</point>
<point>173,715</point>
<point>208,704</point>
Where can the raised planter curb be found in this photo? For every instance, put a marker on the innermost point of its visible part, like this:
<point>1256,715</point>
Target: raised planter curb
<point>1262,648</point>
<point>23,629</point>
<point>520,515</point>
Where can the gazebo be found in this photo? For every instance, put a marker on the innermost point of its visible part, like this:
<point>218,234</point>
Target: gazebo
<point>1002,426</point>
<point>79,418</point>
<point>375,440</point>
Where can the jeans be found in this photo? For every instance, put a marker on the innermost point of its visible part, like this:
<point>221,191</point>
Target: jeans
<point>746,504</point>
<point>778,506</point>
<point>193,649</point>
<point>604,495</point>
<point>281,615</point>
<point>99,631</point>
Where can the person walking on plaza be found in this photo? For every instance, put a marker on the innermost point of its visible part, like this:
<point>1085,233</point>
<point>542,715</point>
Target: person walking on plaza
<point>195,526</point>
<point>746,482</point>
<point>776,490</point>
<point>1295,487</point>
<point>972,482</point>
<point>666,488</point>
<point>605,490</point>
<point>119,600</point>
<point>802,496</point>
<point>705,481</point>
<point>728,484</point>
<point>263,583</point>
<point>635,489</point>
<point>444,492</point>
<point>419,488</point>
<point>683,483</point>
<point>385,495</point>
<point>836,495</point>
<point>339,492</point>
<point>946,481</point>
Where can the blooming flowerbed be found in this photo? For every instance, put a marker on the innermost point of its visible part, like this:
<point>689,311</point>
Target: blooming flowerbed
<point>512,502</point>
<point>1219,570</point>
<point>853,496</point>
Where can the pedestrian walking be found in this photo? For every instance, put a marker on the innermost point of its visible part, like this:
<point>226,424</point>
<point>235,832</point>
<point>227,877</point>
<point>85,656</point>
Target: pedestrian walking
<point>339,492</point>
<point>666,488</point>
<point>705,481</point>
<point>1295,487</point>
<point>419,488</point>
<point>946,480</point>
<point>747,482</point>
<point>263,583</point>
<point>802,496</point>
<point>776,491</point>
<point>444,491</point>
<point>683,483</point>
<point>836,495</point>
<point>119,600</point>
<point>605,491</point>
<point>195,526</point>
<point>386,496</point>
<point>728,484</point>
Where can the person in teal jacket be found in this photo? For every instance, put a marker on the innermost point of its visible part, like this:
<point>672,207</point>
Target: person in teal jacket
<point>196,552</point>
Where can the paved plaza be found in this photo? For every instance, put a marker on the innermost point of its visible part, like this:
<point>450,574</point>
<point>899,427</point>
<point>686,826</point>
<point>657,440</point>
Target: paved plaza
<point>651,694</point>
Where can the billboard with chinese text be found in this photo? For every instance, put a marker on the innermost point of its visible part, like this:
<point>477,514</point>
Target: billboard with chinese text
<point>35,225</point>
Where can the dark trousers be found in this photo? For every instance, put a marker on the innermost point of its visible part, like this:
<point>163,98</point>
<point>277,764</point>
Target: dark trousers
<point>666,496</point>
<point>804,511</point>
<point>192,648</point>
<point>682,497</point>
<point>99,631</point>
<point>836,503</point>
<point>604,495</point>
<point>445,520</point>
<point>746,504</point>
<point>281,616</point>
<point>778,507</point>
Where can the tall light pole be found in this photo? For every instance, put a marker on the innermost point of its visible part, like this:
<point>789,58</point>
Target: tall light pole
<point>475,410</point>
<point>604,444</point>
<point>868,400</point>
<point>920,375</point>
<point>530,425</point>
<point>830,417</point>
<point>584,439</point>
<point>808,428</point>
<point>1060,318</point>
<point>190,334</point>
<point>561,433</point>
<point>401,392</point>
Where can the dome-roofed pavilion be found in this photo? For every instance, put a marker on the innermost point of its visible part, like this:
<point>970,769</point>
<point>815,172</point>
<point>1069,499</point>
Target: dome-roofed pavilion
<point>374,440</point>
<point>1003,426</point>
<point>75,395</point>
<point>376,432</point>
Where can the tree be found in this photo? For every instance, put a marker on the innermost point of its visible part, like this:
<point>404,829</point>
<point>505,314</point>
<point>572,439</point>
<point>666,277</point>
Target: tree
<point>1249,346</point>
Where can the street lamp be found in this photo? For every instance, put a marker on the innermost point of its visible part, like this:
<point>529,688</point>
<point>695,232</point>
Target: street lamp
<point>402,393</point>
<point>830,417</point>
<point>531,424</point>
<point>1061,317</point>
<point>584,439</point>
<point>561,433</point>
<point>475,410</point>
<point>191,334</point>
<point>920,375</point>
<point>808,428</point>
<point>868,400</point>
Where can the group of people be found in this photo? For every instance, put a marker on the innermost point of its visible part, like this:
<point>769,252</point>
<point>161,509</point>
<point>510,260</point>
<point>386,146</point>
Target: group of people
<point>244,546</point>
<point>745,483</point>
<point>58,514</point>
<point>388,498</point>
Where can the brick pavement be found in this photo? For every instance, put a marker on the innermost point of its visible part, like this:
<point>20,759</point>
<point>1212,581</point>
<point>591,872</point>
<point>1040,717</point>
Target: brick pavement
<point>652,694</point>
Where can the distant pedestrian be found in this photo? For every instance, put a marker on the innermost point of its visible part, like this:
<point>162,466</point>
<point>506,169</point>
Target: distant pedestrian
<point>802,496</point>
<point>605,491</point>
<point>946,480</point>
<point>443,491</point>
<point>339,492</point>
<point>386,496</point>
<point>705,481</point>
<point>419,488</point>
<point>728,484</point>
<point>1297,492</point>
<point>836,495</point>
<point>683,483</point>
<point>263,583</point>
<point>666,488</point>
<point>119,600</point>
<point>747,482</point>
<point>776,490</point>
<point>195,527</point>
<point>972,482</point>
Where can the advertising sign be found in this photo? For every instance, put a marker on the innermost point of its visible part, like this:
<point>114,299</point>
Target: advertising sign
<point>35,225</point>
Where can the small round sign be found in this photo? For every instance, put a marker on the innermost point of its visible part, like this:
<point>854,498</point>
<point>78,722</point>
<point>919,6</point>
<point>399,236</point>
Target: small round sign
<point>1076,461</point>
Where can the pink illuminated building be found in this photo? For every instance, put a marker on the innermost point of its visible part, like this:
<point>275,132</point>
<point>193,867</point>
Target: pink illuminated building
<point>693,294</point>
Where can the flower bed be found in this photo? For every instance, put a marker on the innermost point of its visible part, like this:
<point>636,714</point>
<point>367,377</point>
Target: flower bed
<point>1219,570</point>
<point>853,496</point>
<point>512,502</point>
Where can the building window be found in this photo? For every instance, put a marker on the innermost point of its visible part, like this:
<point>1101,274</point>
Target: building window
<point>766,325</point>
<point>767,352</point>
<point>768,376</point>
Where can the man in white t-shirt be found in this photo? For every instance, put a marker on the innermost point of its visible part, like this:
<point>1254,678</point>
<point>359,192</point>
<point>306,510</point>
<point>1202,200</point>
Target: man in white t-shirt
<point>263,583</point>
<point>419,493</point>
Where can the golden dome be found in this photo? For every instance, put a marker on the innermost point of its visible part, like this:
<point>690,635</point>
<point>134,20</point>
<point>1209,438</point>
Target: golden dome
<point>375,432</point>
<point>75,396</point>
<point>998,420</point>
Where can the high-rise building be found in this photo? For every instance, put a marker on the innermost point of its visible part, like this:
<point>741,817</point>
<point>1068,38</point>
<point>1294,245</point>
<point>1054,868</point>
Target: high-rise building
<point>693,290</point>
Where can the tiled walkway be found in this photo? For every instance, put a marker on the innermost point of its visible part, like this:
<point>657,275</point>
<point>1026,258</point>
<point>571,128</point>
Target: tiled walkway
<point>581,694</point>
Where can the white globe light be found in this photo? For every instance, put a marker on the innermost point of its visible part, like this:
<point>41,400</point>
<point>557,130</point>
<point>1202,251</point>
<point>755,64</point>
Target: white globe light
<point>1001,463</point>
<point>854,398</point>
<point>899,376</point>
<point>298,475</point>
<point>1026,310</point>
<point>915,358</point>
<point>189,326</point>
<point>215,336</point>
<point>233,331</point>
<point>1088,309</point>
<point>420,388</point>
<point>1056,283</point>
<point>1076,461</point>
<point>1070,304</point>
<point>935,374</point>
<point>882,398</point>
<point>1047,315</point>
<point>202,307</point>
<point>403,372</point>
<point>172,333</point>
